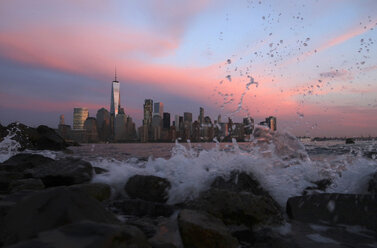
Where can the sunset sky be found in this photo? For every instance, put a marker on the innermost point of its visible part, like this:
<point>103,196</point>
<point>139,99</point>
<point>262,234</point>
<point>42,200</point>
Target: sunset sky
<point>310,63</point>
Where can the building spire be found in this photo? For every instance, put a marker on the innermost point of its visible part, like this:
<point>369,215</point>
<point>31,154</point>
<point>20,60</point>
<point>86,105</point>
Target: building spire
<point>115,73</point>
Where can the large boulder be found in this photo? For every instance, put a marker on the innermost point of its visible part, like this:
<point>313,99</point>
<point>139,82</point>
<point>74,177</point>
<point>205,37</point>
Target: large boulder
<point>235,208</point>
<point>148,188</point>
<point>67,171</point>
<point>239,199</point>
<point>88,234</point>
<point>139,207</point>
<point>199,229</point>
<point>49,209</point>
<point>345,209</point>
<point>40,138</point>
<point>99,191</point>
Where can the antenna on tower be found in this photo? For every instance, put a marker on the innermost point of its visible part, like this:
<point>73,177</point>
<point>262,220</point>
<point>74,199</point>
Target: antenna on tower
<point>115,73</point>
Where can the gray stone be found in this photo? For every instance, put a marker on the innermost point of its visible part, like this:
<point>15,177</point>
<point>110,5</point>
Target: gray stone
<point>26,184</point>
<point>87,234</point>
<point>99,191</point>
<point>148,188</point>
<point>67,171</point>
<point>335,209</point>
<point>139,207</point>
<point>48,209</point>
<point>236,208</point>
<point>199,229</point>
<point>41,138</point>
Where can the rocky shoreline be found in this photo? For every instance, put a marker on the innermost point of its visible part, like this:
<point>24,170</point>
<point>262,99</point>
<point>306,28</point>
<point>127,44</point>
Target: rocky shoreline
<point>54,203</point>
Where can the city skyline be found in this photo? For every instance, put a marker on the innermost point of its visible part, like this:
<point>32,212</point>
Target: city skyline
<point>313,65</point>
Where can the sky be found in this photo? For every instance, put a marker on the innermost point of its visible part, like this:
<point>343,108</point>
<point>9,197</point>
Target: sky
<point>311,63</point>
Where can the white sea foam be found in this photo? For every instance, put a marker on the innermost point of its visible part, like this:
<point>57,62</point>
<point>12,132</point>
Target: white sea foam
<point>280,169</point>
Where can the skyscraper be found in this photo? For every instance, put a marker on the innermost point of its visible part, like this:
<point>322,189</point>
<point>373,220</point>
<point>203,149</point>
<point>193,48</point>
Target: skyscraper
<point>158,109</point>
<point>201,116</point>
<point>148,109</point>
<point>115,97</point>
<point>166,121</point>
<point>79,117</point>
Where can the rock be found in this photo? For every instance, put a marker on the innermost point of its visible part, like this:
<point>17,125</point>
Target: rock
<point>88,234</point>
<point>236,208</point>
<point>99,170</point>
<point>239,182</point>
<point>99,191</point>
<point>199,229</point>
<point>350,141</point>
<point>146,224</point>
<point>167,234</point>
<point>67,171</point>
<point>26,184</point>
<point>372,185</point>
<point>320,186</point>
<point>148,188</point>
<point>40,138</point>
<point>48,209</point>
<point>242,233</point>
<point>23,161</point>
<point>345,209</point>
<point>139,207</point>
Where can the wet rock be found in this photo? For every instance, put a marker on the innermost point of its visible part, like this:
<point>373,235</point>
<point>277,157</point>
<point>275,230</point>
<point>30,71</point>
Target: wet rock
<point>350,141</point>
<point>99,170</point>
<point>320,186</point>
<point>372,185</point>
<point>167,234</point>
<point>147,225</point>
<point>139,207</point>
<point>199,229</point>
<point>26,184</point>
<point>99,191</point>
<point>88,234</point>
<point>148,188</point>
<point>335,209</point>
<point>236,208</point>
<point>67,171</point>
<point>19,163</point>
<point>48,209</point>
<point>239,182</point>
<point>41,138</point>
<point>242,233</point>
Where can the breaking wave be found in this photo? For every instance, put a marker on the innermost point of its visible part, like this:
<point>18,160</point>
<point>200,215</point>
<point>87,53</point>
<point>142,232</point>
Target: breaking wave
<point>278,160</point>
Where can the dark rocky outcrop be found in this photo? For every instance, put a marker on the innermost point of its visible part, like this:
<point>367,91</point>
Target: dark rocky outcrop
<point>40,138</point>
<point>139,207</point>
<point>350,141</point>
<point>335,209</point>
<point>372,185</point>
<point>238,200</point>
<point>99,191</point>
<point>199,229</point>
<point>48,209</point>
<point>88,234</point>
<point>67,171</point>
<point>148,188</point>
<point>238,208</point>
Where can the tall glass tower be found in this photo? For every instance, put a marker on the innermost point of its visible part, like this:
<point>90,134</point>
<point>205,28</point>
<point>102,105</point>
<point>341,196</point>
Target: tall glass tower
<point>115,96</point>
